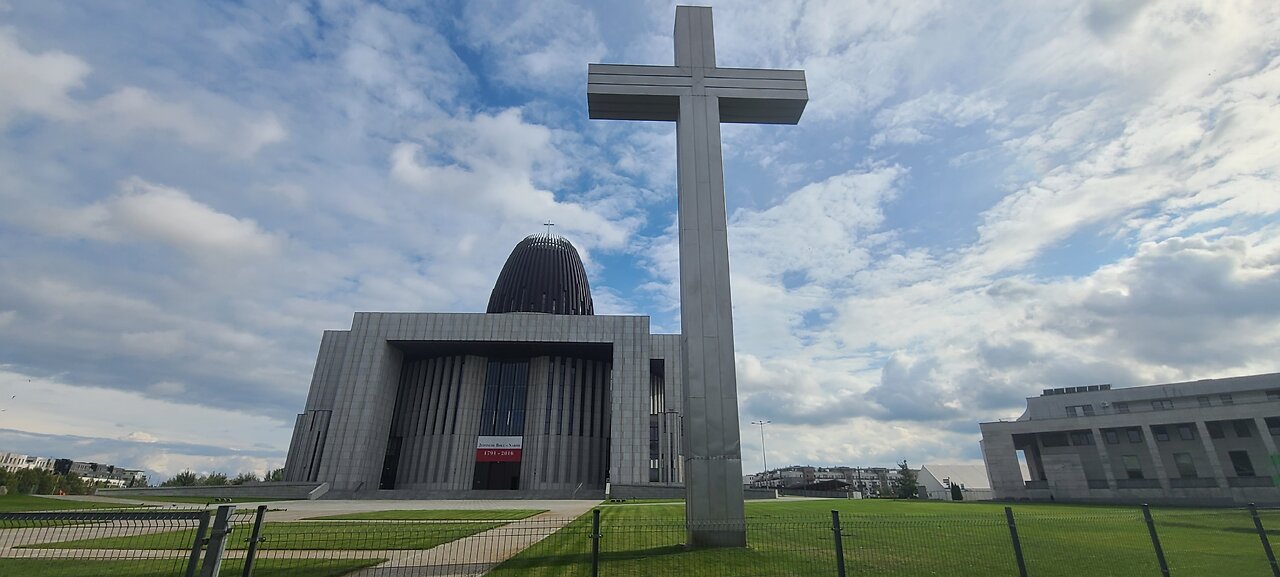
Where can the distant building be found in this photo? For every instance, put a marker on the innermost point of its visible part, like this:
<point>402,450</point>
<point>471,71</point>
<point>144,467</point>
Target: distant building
<point>13,462</point>
<point>101,474</point>
<point>866,480</point>
<point>969,482</point>
<point>1202,442</point>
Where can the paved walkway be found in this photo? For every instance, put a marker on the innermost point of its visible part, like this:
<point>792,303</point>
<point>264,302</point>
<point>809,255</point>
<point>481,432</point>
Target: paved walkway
<point>474,555</point>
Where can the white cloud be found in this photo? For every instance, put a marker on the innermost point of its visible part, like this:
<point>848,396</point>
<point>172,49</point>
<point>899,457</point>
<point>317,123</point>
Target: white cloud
<point>167,388</point>
<point>37,83</point>
<point>131,110</point>
<point>146,211</point>
<point>402,64</point>
<point>540,46</point>
<point>819,229</point>
<point>911,122</point>
<point>140,437</point>
<point>41,84</point>
<point>488,165</point>
<point>41,406</point>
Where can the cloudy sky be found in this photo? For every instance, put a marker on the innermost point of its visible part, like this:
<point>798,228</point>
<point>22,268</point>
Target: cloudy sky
<point>982,200</point>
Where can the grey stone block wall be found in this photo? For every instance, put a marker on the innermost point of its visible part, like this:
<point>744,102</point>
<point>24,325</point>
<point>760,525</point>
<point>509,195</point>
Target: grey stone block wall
<point>437,418</point>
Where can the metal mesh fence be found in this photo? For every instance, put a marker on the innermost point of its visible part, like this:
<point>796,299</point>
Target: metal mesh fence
<point>921,545</point>
<point>1041,541</point>
<point>774,547</point>
<point>124,542</point>
<point>1208,542</point>
<point>1101,542</point>
<point>398,548</point>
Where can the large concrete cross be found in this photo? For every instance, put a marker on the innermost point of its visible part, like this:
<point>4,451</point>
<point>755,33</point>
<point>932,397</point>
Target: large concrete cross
<point>698,96</point>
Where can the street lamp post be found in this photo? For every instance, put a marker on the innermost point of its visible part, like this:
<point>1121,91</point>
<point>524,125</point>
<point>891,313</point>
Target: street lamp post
<point>763,453</point>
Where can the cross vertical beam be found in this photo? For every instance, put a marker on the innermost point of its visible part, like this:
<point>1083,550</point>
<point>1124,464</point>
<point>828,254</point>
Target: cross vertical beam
<point>697,95</point>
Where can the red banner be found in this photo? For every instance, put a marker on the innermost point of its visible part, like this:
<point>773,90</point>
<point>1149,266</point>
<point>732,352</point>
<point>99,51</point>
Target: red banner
<point>497,455</point>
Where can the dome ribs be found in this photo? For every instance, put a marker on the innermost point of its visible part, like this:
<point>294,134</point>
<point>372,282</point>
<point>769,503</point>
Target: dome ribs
<point>543,274</point>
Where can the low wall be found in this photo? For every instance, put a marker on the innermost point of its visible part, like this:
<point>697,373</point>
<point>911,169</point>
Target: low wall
<point>281,490</point>
<point>968,494</point>
<point>820,494</point>
<point>427,495</point>
<point>674,492</point>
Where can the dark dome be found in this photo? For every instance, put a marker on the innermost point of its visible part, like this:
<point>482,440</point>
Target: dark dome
<point>544,274</point>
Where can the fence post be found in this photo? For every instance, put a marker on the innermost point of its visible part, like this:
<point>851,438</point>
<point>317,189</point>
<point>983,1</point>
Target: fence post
<point>254,538</point>
<point>217,541</point>
<point>193,562</point>
<point>1018,543</point>
<point>595,542</point>
<point>1266,543</point>
<point>1155,540</point>
<point>839,537</point>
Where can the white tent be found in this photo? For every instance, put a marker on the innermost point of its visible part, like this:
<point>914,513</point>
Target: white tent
<point>936,481</point>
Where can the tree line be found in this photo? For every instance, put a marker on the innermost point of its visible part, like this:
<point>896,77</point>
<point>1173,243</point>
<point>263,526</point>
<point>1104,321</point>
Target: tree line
<point>43,482</point>
<point>188,478</point>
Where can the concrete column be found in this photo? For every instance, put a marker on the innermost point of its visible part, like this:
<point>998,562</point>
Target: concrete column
<point>1161,474</point>
<point>714,508</point>
<point>1035,464</point>
<point>1001,459</point>
<point>1268,442</point>
<point>1214,462</point>
<point>1101,442</point>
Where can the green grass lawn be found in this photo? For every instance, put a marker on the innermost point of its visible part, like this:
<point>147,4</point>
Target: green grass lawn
<point>168,568</point>
<point>435,515</point>
<point>909,539</point>
<point>302,536</point>
<point>15,503</point>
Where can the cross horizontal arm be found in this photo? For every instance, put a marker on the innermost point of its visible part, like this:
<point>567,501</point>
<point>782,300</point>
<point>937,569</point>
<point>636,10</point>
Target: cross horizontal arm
<point>624,92</point>
<point>756,73</point>
<point>746,95</point>
<point>637,70</point>
<point>758,96</point>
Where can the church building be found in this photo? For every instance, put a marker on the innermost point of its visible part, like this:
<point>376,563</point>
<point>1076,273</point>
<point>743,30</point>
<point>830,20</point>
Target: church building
<point>538,397</point>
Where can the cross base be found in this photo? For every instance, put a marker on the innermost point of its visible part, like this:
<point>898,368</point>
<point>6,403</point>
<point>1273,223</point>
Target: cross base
<point>711,538</point>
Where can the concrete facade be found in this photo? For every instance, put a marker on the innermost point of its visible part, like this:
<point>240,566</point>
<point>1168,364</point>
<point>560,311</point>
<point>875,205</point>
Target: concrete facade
<point>1208,442</point>
<point>417,379</point>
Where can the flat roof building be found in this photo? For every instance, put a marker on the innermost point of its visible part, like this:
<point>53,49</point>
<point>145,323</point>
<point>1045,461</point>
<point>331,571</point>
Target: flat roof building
<point>101,473</point>
<point>12,462</point>
<point>1207,442</point>
<point>536,397</point>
